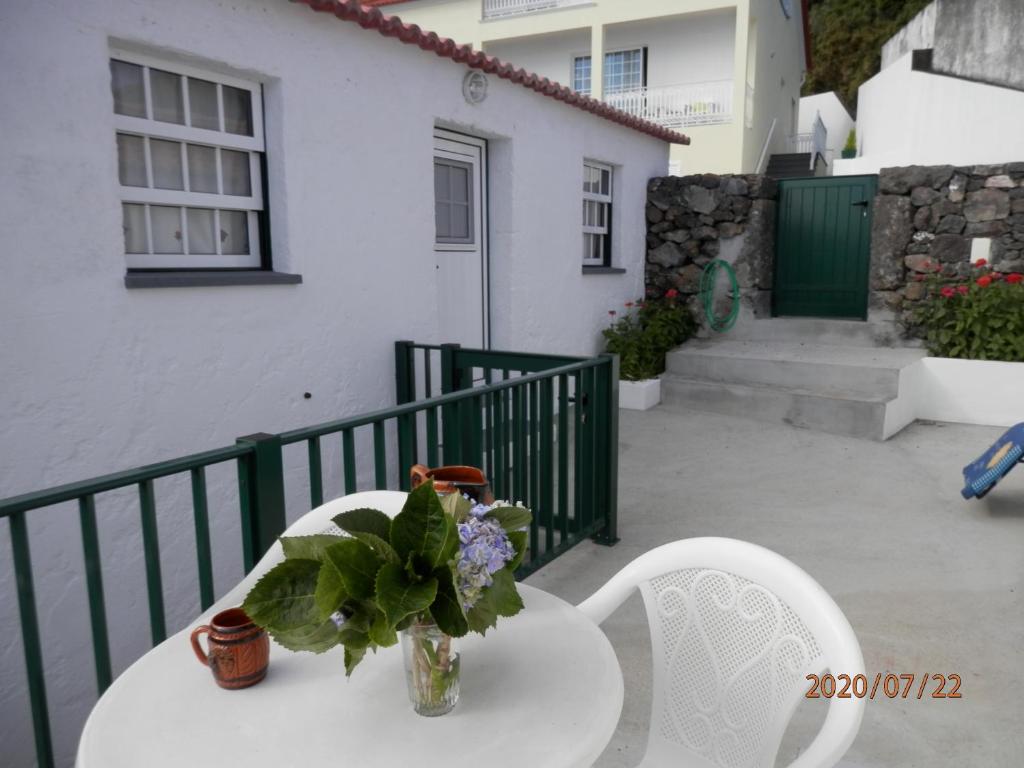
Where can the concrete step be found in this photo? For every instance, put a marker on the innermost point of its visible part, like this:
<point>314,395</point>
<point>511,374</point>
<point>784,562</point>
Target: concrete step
<point>818,330</point>
<point>855,417</point>
<point>834,371</point>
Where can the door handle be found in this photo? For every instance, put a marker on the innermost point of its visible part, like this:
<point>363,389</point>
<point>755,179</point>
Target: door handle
<point>862,203</point>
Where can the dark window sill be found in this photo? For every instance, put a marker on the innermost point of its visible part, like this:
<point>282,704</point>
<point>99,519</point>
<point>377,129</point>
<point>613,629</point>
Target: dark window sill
<point>603,271</point>
<point>173,279</point>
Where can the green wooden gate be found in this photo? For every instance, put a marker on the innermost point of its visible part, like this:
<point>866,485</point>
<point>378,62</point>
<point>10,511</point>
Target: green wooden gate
<point>822,246</point>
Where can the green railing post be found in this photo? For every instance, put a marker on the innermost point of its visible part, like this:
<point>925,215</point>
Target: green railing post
<point>30,640</point>
<point>450,382</point>
<point>606,448</point>
<point>261,487</point>
<point>405,392</point>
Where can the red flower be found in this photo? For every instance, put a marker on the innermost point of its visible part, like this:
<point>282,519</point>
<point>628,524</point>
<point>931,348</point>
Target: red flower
<point>984,281</point>
<point>981,263</point>
<point>629,304</point>
<point>962,290</point>
<point>919,277</point>
<point>1015,278</point>
<point>642,304</point>
<point>671,293</point>
<point>996,276</point>
<point>927,264</point>
<point>612,312</point>
<point>948,292</point>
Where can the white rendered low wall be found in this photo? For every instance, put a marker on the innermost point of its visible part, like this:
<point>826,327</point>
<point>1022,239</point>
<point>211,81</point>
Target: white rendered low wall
<point>968,391</point>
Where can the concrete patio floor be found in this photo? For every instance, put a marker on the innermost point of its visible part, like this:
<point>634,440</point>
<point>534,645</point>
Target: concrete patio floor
<point>930,583</point>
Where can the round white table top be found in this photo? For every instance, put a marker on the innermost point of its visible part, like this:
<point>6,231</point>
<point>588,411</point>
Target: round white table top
<point>542,689</point>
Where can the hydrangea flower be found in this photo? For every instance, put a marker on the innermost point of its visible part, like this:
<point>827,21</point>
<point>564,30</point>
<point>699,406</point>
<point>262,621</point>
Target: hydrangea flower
<point>484,549</point>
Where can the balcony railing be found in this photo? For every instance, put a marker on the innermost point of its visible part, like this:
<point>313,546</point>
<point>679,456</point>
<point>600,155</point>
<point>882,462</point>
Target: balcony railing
<point>678,106</point>
<point>814,142</point>
<point>498,9</point>
<point>544,428</point>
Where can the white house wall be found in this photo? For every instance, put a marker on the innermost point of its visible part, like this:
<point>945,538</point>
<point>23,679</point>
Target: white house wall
<point>97,377</point>
<point>905,117</point>
<point>837,120</point>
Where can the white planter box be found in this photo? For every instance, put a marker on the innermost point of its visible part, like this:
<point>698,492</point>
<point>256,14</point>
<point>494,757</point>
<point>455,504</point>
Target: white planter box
<point>639,395</point>
<point>969,391</point>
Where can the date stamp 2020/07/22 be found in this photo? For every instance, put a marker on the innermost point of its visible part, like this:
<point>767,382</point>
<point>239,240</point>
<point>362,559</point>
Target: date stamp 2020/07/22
<point>890,685</point>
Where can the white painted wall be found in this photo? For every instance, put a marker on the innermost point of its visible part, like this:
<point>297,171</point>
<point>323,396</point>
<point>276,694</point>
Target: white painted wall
<point>915,118</point>
<point>778,67</point>
<point>919,33</point>
<point>970,392</point>
<point>98,378</point>
<point>833,114</point>
<point>549,55</point>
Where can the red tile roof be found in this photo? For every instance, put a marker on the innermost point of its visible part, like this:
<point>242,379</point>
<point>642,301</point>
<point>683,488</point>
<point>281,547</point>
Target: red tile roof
<point>391,26</point>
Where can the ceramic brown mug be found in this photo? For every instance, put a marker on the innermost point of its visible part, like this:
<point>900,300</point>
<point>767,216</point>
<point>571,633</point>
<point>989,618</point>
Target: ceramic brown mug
<point>239,650</point>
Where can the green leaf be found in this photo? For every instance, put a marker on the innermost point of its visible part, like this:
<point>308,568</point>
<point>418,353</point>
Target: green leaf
<point>422,528</point>
<point>356,563</point>
<point>398,596</point>
<point>484,613</point>
<point>511,518</point>
<point>381,631</point>
<point>352,658</point>
<point>519,541</point>
<point>284,598</point>
<point>381,547</point>
<point>457,506</point>
<point>365,520</point>
<point>307,547</point>
<point>506,596</point>
<point>315,638</point>
<point>447,607</point>
<point>330,589</point>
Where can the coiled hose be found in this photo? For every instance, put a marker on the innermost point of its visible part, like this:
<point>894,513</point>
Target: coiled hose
<point>708,279</point>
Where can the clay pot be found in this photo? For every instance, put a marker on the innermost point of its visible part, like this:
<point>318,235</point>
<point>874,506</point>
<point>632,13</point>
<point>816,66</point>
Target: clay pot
<point>454,479</point>
<point>239,650</point>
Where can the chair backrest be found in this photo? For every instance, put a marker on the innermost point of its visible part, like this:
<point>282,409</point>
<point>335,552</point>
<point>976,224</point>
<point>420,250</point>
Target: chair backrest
<point>735,629</point>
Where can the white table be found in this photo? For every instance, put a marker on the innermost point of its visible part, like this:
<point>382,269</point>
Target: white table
<point>542,689</point>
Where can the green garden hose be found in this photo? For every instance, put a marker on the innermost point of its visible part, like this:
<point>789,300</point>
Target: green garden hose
<point>707,295</point>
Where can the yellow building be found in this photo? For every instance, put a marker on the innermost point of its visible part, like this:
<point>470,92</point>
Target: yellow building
<point>725,72</point>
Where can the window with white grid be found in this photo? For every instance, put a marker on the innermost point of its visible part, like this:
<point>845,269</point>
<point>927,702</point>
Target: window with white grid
<point>597,214</point>
<point>189,161</point>
<point>581,74</point>
<point>624,70</point>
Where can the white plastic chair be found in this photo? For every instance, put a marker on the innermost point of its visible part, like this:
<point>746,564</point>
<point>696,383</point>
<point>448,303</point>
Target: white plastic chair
<point>735,628</point>
<point>315,521</point>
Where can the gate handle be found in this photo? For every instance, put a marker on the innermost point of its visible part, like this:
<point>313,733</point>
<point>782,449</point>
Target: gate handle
<point>861,203</point>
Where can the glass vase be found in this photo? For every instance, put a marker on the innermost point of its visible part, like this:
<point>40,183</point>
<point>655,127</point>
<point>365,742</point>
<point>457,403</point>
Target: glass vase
<point>431,668</point>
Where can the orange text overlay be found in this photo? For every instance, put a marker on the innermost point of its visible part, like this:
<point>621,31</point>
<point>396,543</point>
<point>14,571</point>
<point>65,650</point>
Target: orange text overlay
<point>890,686</point>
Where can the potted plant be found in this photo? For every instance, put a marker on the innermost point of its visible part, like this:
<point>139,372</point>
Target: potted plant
<point>641,337</point>
<point>850,148</point>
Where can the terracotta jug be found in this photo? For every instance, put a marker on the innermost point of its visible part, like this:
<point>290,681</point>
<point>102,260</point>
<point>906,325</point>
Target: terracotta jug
<point>454,479</point>
<point>239,650</point>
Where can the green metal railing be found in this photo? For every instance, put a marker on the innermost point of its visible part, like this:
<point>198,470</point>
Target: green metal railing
<point>544,428</point>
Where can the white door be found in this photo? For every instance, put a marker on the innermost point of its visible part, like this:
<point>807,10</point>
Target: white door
<point>460,240</point>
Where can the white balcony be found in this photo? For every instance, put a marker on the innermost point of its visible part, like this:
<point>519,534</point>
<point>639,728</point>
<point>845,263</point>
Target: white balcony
<point>678,106</point>
<point>500,9</point>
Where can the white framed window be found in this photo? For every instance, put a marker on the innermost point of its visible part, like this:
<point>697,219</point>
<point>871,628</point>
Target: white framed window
<point>597,214</point>
<point>623,71</point>
<point>190,165</point>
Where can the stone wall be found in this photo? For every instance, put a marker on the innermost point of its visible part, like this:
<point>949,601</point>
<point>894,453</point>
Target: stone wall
<point>694,219</point>
<point>927,215</point>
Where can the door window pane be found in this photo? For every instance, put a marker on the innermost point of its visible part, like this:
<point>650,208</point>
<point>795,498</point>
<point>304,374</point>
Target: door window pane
<point>235,170</point>
<point>202,168</point>
<point>168,106</point>
<point>453,203</point>
<point>166,156</point>
<point>134,228</point>
<point>623,71</point>
<point>129,92</point>
<point>200,231</point>
<point>202,104</point>
<point>234,232</point>
<point>166,228</point>
<point>131,160</point>
<point>237,110</point>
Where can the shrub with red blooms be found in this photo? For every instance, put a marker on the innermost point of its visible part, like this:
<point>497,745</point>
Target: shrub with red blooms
<point>979,318</point>
<point>642,337</point>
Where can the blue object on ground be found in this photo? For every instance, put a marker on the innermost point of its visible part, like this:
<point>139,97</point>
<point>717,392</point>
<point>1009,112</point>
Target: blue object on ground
<point>982,475</point>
